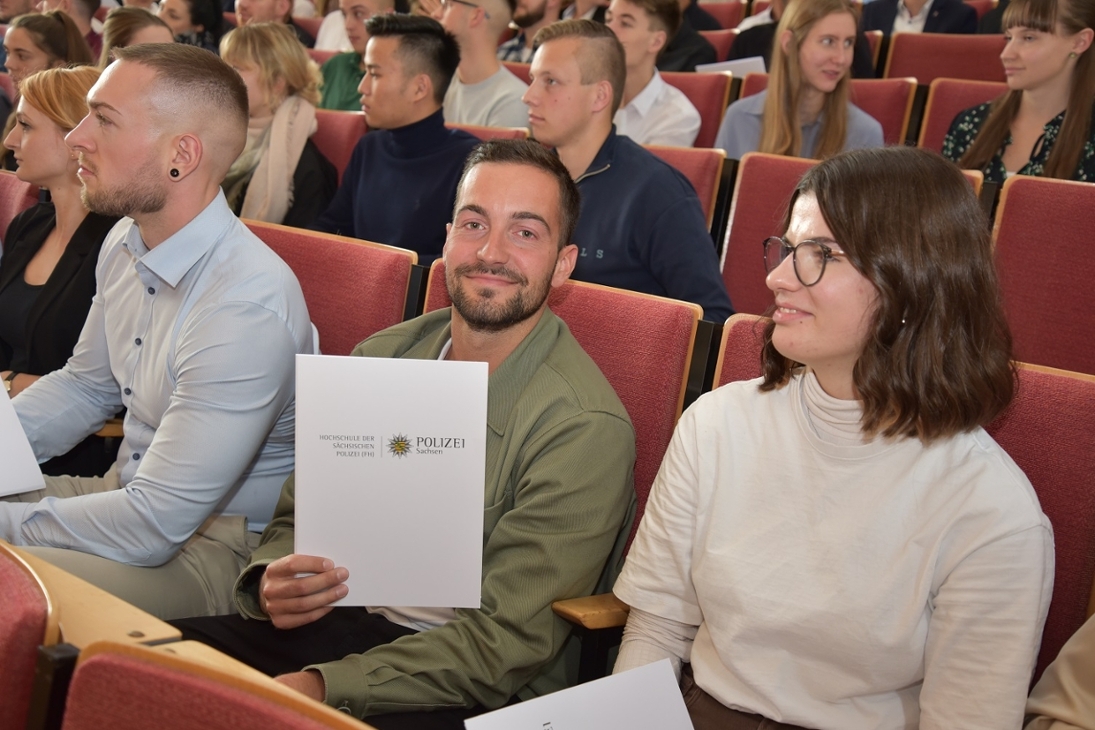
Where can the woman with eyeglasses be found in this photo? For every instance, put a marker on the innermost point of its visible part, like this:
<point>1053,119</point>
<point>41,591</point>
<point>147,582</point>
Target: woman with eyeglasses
<point>1043,125</point>
<point>839,544</point>
<point>805,111</point>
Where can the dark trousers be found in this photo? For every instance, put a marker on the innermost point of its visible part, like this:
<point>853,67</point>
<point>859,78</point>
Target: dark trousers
<point>342,632</point>
<point>707,713</point>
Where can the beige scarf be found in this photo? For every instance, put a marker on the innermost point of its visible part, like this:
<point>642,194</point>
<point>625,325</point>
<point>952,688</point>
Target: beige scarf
<point>270,190</point>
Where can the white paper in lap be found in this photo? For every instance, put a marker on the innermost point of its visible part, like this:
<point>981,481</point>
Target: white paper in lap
<point>390,462</point>
<point>644,697</point>
<point>20,470</point>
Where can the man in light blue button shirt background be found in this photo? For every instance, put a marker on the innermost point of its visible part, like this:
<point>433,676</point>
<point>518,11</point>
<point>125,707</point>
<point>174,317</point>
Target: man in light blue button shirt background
<point>194,328</point>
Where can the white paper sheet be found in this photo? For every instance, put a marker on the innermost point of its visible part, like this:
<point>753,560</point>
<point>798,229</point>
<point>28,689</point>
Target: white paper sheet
<point>390,462</point>
<point>739,67</point>
<point>20,470</point>
<point>644,697</point>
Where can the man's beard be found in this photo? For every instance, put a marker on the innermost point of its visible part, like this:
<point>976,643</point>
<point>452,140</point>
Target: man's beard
<point>530,17</point>
<point>484,315</point>
<point>141,196</point>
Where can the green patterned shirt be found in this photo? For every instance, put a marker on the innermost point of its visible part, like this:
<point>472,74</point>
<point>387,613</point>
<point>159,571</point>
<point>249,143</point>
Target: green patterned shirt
<point>967,125</point>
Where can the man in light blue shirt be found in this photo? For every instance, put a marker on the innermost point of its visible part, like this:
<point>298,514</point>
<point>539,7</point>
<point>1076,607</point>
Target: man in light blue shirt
<point>194,328</point>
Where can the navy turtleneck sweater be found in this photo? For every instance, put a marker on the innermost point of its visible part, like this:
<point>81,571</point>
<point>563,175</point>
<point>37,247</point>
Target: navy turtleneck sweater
<point>400,186</point>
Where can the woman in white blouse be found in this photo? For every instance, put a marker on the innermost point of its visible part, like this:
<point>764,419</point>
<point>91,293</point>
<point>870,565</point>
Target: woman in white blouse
<point>839,544</point>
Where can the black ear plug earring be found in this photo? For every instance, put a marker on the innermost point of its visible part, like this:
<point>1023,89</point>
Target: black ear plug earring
<point>174,172</point>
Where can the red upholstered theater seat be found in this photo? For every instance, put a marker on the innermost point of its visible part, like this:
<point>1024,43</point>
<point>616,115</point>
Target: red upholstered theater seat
<point>889,101</point>
<point>728,12</point>
<point>321,57</point>
<point>353,288</point>
<point>981,6</point>
<point>702,167</point>
<point>28,620</point>
<point>739,351</point>
<point>1043,236</point>
<point>15,197</point>
<point>117,687</point>
<point>763,188</point>
<point>710,94</point>
<point>721,40</point>
<point>1049,430</point>
<point>928,56</point>
<point>337,133</point>
<point>948,97</point>
<point>520,70</point>
<point>621,330</point>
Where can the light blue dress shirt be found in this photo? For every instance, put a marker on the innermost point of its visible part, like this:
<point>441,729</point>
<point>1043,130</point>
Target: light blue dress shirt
<point>740,129</point>
<point>197,339</point>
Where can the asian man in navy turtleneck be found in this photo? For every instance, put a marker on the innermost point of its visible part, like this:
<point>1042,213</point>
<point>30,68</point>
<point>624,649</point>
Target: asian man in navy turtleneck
<point>401,181</point>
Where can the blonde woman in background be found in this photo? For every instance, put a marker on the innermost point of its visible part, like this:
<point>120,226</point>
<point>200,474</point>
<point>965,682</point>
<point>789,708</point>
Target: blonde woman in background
<point>280,177</point>
<point>47,274</point>
<point>805,112</point>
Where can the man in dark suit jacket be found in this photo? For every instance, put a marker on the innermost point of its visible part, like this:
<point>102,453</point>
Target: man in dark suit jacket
<point>943,16</point>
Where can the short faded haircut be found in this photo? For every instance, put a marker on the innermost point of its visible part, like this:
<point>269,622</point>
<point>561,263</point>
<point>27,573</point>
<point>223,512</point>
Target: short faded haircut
<point>424,47</point>
<point>199,79</point>
<point>601,57</point>
<point>530,154</point>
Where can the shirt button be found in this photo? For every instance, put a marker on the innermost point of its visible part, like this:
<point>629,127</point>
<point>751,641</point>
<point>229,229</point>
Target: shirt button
<point>127,391</point>
<point>137,341</point>
<point>151,290</point>
<point>136,456</point>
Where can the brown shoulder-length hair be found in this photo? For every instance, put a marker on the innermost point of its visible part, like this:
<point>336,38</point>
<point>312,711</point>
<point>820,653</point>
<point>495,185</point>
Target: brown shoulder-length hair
<point>937,360</point>
<point>1048,16</point>
<point>781,133</point>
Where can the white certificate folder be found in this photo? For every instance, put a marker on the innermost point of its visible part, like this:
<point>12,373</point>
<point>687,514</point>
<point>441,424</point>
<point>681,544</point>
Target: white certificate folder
<point>644,697</point>
<point>390,462</point>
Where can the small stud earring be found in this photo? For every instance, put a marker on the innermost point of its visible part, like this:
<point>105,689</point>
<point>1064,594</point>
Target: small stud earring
<point>174,172</point>
<point>1072,55</point>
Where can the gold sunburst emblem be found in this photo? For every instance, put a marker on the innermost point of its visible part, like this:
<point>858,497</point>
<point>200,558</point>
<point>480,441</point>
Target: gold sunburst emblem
<point>399,445</point>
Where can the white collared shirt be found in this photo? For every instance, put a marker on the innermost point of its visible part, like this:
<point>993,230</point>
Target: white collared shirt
<point>905,22</point>
<point>762,18</point>
<point>659,114</point>
<point>197,338</point>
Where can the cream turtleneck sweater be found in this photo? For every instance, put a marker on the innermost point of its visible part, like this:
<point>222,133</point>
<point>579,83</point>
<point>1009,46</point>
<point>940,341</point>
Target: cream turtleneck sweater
<point>822,580</point>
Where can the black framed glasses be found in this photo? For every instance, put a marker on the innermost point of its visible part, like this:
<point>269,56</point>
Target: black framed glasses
<point>465,2</point>
<point>808,258</point>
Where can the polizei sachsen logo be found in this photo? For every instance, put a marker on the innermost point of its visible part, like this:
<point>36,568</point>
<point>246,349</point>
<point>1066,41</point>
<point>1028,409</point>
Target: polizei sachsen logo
<point>404,445</point>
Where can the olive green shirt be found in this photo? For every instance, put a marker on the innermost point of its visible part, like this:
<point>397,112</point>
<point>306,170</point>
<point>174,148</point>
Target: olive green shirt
<point>558,506</point>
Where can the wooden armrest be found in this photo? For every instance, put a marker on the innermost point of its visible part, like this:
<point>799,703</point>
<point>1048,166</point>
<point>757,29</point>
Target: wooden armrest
<point>593,612</point>
<point>88,613</point>
<point>111,429</point>
<point>199,653</point>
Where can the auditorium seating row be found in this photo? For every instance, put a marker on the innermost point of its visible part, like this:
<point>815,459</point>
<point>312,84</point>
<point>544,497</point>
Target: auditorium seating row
<point>132,671</point>
<point>907,112</point>
<point>1036,226</point>
<point>729,13</point>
